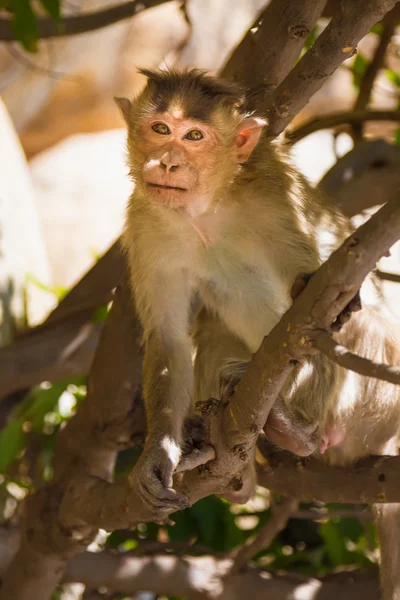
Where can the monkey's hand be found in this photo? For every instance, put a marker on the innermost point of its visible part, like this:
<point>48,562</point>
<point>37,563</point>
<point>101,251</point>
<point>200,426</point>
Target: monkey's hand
<point>353,306</point>
<point>152,477</point>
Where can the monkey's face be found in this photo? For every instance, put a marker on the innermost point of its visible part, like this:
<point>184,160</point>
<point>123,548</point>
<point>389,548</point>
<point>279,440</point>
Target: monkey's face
<point>187,138</point>
<point>179,160</point>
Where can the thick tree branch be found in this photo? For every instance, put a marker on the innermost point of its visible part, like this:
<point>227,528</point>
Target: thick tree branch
<point>340,118</point>
<point>108,420</point>
<point>194,577</point>
<point>271,47</point>
<point>363,366</point>
<point>366,157</point>
<point>64,345</point>
<point>335,44</point>
<point>234,429</point>
<point>62,518</point>
<point>49,28</point>
<point>328,292</point>
<point>370,480</point>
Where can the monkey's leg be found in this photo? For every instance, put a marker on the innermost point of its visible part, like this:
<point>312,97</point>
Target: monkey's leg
<point>387,517</point>
<point>221,358</point>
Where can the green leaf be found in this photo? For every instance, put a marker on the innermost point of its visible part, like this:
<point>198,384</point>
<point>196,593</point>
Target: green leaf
<point>397,137</point>
<point>52,7</point>
<point>377,28</point>
<point>312,36</point>
<point>334,543</point>
<point>24,25</point>
<point>183,528</point>
<point>358,69</point>
<point>57,290</point>
<point>100,314</point>
<point>12,441</point>
<point>393,77</point>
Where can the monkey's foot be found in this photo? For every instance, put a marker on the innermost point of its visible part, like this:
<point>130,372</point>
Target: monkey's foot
<point>353,306</point>
<point>152,480</point>
<point>194,432</point>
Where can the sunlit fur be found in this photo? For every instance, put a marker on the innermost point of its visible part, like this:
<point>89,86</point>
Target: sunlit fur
<point>259,228</point>
<point>244,232</point>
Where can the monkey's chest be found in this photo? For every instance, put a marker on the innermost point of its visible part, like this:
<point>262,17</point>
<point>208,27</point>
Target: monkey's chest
<point>247,295</point>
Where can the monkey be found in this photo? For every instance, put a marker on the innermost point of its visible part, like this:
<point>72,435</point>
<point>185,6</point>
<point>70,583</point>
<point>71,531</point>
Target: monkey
<point>219,212</point>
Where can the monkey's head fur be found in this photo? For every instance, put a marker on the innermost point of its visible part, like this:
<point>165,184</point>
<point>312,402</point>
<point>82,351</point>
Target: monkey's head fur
<point>188,134</point>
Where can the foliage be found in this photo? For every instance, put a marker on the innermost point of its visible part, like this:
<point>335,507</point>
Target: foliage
<point>24,16</point>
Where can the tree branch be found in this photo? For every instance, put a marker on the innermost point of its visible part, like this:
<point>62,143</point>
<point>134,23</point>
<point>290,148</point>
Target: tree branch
<point>280,515</point>
<point>328,292</point>
<point>192,576</point>
<point>365,156</point>
<point>335,44</point>
<point>340,118</point>
<point>62,518</point>
<point>371,480</point>
<point>363,366</point>
<point>271,47</point>
<point>64,345</point>
<point>367,82</point>
<point>49,28</point>
<point>108,420</point>
<point>388,276</point>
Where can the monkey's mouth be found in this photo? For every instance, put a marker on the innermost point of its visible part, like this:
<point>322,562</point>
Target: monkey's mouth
<point>166,187</point>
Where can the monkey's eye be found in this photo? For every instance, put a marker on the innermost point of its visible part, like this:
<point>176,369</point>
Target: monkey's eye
<point>194,135</point>
<point>161,128</point>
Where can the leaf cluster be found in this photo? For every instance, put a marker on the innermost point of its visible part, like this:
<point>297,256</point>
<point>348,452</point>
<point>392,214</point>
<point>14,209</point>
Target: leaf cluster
<point>24,15</point>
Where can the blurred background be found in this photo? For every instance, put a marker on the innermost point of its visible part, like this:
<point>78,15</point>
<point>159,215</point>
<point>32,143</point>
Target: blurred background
<point>63,188</point>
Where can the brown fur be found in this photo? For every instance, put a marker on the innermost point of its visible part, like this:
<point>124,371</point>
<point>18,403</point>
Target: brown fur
<point>228,218</point>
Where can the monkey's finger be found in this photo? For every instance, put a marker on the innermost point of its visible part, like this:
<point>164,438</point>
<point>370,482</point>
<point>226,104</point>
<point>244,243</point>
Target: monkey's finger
<point>163,499</point>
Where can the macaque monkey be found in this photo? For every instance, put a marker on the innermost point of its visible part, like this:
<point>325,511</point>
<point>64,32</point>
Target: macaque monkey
<point>218,211</point>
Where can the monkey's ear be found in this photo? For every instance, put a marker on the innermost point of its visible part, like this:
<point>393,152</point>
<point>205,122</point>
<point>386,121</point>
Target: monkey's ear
<point>247,137</point>
<point>125,107</point>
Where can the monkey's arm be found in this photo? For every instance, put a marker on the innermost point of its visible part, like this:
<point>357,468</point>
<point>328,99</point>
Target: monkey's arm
<point>163,305</point>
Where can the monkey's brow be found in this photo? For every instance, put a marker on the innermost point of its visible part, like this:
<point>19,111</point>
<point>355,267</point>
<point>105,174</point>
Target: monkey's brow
<point>192,107</point>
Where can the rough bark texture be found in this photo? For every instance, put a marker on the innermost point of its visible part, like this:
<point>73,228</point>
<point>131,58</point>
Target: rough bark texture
<point>335,44</point>
<point>89,444</point>
<point>197,578</point>
<point>371,480</point>
<point>277,38</point>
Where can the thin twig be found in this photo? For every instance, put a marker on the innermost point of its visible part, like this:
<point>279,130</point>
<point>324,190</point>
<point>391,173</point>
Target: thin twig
<point>363,366</point>
<point>280,514</point>
<point>49,28</point>
<point>367,82</point>
<point>340,118</point>
<point>358,511</point>
<point>322,514</point>
<point>388,276</point>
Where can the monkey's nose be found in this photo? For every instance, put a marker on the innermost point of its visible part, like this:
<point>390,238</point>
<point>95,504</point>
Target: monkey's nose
<point>167,165</point>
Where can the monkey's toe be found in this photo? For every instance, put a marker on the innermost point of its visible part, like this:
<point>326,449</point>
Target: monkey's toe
<point>353,306</point>
<point>162,500</point>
